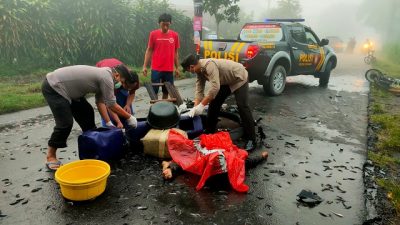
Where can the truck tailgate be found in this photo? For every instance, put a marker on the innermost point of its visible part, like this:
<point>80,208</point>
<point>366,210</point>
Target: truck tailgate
<point>224,49</point>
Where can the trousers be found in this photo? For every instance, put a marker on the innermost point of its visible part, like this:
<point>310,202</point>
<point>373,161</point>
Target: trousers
<point>242,101</point>
<point>64,114</point>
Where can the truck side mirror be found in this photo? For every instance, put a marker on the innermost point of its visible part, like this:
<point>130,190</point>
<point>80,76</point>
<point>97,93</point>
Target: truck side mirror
<point>324,42</point>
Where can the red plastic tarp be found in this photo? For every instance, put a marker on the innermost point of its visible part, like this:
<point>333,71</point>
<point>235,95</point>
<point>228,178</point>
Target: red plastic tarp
<point>214,155</point>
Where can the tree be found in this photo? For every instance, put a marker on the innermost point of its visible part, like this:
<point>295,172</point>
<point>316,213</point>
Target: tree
<point>27,31</point>
<point>53,33</point>
<point>286,9</point>
<point>99,29</point>
<point>222,10</point>
<point>229,30</point>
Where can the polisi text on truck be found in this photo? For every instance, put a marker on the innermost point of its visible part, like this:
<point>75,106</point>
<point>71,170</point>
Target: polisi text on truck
<point>221,55</point>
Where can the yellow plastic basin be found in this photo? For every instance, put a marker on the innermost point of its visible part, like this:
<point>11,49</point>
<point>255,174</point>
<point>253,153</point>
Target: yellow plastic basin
<point>83,180</point>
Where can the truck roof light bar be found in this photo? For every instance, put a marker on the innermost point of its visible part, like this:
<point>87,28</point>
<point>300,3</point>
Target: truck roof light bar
<point>284,20</point>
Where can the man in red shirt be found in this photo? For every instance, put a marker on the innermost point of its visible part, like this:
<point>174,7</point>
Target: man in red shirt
<point>163,50</point>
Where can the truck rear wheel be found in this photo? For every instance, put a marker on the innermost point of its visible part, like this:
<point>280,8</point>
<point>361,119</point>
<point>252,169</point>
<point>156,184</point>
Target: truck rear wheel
<point>276,82</point>
<point>324,77</point>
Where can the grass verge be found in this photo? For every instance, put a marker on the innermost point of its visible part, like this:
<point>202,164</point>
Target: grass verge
<point>385,113</point>
<point>15,97</point>
<point>383,160</point>
<point>24,92</point>
<point>393,191</point>
<point>388,67</point>
<point>389,136</point>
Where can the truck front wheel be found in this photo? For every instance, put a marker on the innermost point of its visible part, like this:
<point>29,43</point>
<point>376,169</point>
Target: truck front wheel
<point>276,82</point>
<point>324,77</point>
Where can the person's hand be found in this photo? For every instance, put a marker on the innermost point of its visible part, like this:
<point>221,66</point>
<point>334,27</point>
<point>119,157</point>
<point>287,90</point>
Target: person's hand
<point>120,125</point>
<point>144,71</point>
<point>182,107</point>
<point>132,121</point>
<point>177,72</point>
<point>110,124</point>
<point>127,108</point>
<point>197,110</point>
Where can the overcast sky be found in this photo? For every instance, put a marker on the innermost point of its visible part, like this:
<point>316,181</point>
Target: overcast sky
<point>325,17</point>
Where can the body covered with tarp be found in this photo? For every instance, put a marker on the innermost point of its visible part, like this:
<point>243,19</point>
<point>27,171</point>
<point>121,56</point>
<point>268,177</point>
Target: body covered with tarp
<point>213,154</point>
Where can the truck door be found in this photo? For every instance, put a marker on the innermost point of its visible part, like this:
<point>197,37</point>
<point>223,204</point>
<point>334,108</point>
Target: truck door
<point>305,50</point>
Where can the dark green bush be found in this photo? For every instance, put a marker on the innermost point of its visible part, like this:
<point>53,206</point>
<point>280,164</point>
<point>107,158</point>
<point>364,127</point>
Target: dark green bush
<point>53,33</point>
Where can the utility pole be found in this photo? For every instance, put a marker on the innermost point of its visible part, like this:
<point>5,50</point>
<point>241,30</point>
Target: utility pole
<point>198,20</point>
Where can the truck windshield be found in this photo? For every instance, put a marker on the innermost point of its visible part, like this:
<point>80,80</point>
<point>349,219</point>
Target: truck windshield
<point>261,33</point>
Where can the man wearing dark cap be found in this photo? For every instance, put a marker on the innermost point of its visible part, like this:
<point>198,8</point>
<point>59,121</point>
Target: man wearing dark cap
<point>225,77</point>
<point>65,89</point>
<point>162,49</point>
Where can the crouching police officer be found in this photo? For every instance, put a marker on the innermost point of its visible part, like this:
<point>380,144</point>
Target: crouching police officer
<point>225,77</point>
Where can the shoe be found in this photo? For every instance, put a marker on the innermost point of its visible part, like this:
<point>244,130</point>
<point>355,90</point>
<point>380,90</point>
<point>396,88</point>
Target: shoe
<point>250,146</point>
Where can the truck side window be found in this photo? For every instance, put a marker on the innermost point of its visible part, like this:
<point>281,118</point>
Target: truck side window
<point>298,34</point>
<point>311,40</point>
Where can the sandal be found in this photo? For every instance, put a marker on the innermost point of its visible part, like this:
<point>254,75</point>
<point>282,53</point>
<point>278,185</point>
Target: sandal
<point>53,166</point>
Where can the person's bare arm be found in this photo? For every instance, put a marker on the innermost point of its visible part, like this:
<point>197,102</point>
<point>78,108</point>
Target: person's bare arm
<point>129,102</point>
<point>199,92</point>
<point>147,56</point>
<point>213,78</point>
<point>130,120</point>
<point>176,60</point>
<point>103,111</point>
<point>119,111</point>
<point>115,118</point>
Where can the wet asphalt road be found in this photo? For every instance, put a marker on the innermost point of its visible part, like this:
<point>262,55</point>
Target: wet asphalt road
<point>316,139</point>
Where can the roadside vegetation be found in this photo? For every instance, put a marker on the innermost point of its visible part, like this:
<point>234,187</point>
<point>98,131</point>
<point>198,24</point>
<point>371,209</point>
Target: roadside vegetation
<point>55,33</point>
<point>385,106</point>
<point>393,192</point>
<point>385,116</point>
<point>24,92</point>
<point>21,92</point>
<point>40,36</point>
<point>17,96</point>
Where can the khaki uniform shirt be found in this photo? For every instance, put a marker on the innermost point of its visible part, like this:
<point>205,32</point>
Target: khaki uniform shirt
<point>219,72</point>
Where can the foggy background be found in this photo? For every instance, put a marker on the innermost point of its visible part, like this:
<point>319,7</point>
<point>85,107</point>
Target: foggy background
<point>340,18</point>
<point>42,35</point>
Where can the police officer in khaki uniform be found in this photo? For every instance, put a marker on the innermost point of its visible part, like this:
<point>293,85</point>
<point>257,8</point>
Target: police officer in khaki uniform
<point>225,77</point>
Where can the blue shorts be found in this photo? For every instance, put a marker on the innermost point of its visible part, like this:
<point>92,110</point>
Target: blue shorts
<point>161,77</point>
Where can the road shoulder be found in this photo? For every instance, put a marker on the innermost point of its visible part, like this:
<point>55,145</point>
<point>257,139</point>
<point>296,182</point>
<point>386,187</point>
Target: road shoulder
<point>382,170</point>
